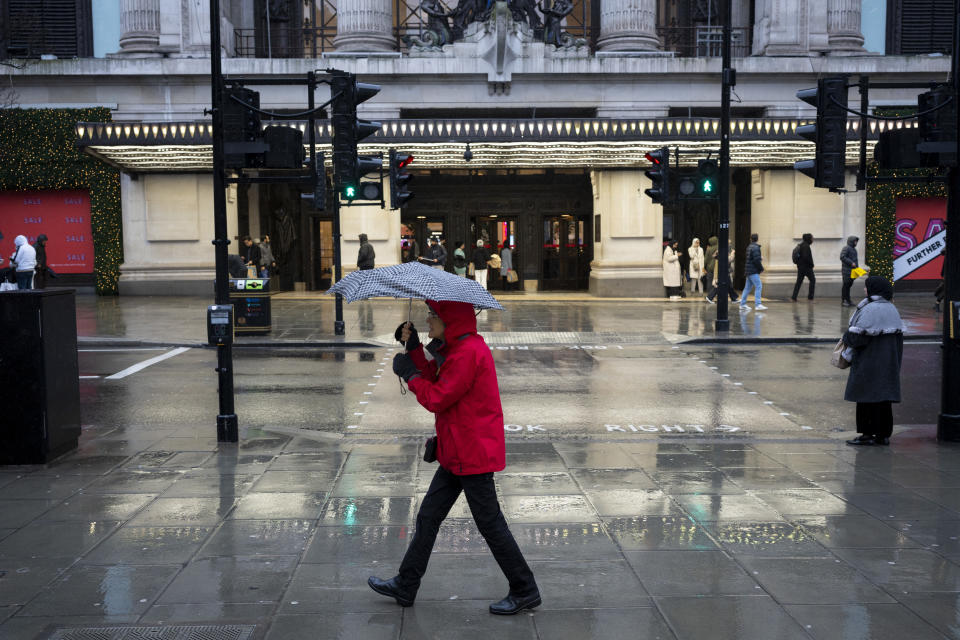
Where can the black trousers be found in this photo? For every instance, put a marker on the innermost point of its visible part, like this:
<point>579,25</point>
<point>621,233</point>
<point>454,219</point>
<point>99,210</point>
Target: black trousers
<point>715,289</point>
<point>875,419</point>
<point>845,293</point>
<point>806,272</point>
<point>482,499</point>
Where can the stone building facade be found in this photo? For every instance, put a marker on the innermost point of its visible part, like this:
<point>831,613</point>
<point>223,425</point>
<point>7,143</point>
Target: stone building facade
<point>557,130</point>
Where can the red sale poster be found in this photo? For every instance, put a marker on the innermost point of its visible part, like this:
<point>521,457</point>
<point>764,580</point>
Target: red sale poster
<point>63,215</point>
<point>918,238</point>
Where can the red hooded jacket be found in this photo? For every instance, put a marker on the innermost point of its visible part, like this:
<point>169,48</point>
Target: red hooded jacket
<point>463,393</point>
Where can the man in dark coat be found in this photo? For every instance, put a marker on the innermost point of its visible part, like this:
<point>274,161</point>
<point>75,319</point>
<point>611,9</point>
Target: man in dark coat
<point>459,385</point>
<point>366,256</point>
<point>848,262</point>
<point>804,267</point>
<point>874,348</point>
<point>250,253</point>
<point>436,255</point>
<point>753,268</point>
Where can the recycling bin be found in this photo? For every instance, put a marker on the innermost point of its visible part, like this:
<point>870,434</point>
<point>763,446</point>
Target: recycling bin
<point>251,305</point>
<point>39,376</point>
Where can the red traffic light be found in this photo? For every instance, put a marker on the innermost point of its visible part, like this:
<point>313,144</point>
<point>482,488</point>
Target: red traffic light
<point>653,156</point>
<point>403,160</point>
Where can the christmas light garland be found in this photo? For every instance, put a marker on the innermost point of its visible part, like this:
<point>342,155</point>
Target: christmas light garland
<point>39,152</point>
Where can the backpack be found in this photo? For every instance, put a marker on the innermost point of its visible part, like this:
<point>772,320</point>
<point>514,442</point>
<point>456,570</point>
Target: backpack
<point>796,254</point>
<point>459,261</point>
<point>494,261</point>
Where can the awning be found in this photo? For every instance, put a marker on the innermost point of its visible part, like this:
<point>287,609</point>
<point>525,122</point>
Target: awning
<point>148,147</point>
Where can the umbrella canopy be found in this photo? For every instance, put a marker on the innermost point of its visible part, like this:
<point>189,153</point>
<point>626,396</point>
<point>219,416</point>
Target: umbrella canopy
<point>413,280</point>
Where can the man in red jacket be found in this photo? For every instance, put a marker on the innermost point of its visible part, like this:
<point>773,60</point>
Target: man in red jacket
<point>457,381</point>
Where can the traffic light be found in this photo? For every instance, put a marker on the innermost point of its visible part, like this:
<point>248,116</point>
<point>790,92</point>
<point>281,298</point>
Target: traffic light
<point>241,129</point>
<point>348,169</point>
<point>829,133</point>
<point>659,175</point>
<point>284,148</point>
<point>318,185</point>
<point>707,170</point>
<point>937,122</point>
<point>399,179</point>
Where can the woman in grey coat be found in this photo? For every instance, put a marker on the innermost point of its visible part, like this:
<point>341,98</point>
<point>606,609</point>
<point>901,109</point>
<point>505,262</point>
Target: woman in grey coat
<point>874,343</point>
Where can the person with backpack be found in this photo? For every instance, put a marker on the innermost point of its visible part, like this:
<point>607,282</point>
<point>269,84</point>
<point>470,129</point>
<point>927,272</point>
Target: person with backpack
<point>803,258</point>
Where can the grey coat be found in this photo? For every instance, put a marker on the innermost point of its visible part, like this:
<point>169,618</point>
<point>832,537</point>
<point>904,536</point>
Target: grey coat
<point>875,337</point>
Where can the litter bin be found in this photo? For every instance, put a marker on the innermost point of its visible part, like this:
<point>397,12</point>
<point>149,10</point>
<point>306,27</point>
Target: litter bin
<point>251,305</point>
<point>39,376</point>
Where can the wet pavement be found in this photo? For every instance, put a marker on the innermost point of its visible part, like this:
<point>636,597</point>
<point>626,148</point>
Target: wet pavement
<point>658,489</point>
<point>527,319</point>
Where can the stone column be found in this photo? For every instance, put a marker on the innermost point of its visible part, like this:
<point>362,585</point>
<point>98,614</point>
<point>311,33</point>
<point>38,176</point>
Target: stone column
<point>843,25</point>
<point>140,26</point>
<point>628,25</point>
<point>365,25</point>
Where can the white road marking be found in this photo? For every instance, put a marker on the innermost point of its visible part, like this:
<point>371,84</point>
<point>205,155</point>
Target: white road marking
<point>146,363</point>
<point>88,377</point>
<point>122,349</point>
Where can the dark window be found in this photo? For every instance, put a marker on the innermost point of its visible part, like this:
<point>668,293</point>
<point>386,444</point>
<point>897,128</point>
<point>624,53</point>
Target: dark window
<point>31,28</point>
<point>919,26</point>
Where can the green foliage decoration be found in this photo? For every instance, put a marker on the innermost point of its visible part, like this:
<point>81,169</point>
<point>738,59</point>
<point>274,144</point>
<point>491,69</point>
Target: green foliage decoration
<point>38,151</point>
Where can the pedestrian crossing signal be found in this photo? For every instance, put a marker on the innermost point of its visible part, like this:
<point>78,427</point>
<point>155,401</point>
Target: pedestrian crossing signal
<point>707,170</point>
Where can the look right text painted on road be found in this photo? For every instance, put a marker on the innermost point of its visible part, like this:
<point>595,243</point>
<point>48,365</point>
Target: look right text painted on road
<point>671,428</point>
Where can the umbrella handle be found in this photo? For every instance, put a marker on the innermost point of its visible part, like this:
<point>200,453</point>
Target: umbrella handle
<point>409,309</point>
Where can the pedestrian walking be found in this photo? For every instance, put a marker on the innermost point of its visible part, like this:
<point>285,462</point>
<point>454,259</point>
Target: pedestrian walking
<point>42,270</point>
<point>459,385</point>
<point>874,347</point>
<point>24,261</point>
<point>366,256</point>
<point>268,264</point>
<point>672,277</point>
<point>459,260</point>
<point>714,288</point>
<point>803,258</point>
<point>753,269</point>
<point>696,266</point>
<point>848,262</point>
<point>436,255</point>
<point>709,259</point>
<point>411,252</point>
<point>480,257</point>
<point>506,264</point>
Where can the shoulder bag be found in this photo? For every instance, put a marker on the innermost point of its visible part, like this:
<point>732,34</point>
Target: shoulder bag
<point>836,358</point>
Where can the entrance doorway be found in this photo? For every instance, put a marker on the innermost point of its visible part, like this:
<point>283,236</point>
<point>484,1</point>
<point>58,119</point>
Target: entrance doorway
<point>566,252</point>
<point>498,232</point>
<point>321,254</point>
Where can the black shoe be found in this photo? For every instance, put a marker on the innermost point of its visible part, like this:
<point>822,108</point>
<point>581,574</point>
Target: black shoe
<point>846,304</point>
<point>884,441</point>
<point>512,604</point>
<point>862,440</point>
<point>391,589</point>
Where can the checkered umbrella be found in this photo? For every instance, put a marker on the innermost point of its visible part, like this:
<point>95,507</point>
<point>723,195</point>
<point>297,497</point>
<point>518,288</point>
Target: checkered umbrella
<point>415,281</point>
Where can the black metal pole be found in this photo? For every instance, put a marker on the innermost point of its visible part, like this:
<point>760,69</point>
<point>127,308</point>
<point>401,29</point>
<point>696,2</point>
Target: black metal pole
<point>948,423</point>
<point>723,271</point>
<point>227,419</point>
<point>339,328</point>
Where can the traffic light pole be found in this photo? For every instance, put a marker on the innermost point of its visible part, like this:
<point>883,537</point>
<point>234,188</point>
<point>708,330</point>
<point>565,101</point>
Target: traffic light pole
<point>948,423</point>
<point>227,430</point>
<point>339,328</point>
<point>723,270</point>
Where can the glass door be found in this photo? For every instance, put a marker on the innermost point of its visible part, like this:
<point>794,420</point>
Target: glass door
<point>498,233</point>
<point>566,252</point>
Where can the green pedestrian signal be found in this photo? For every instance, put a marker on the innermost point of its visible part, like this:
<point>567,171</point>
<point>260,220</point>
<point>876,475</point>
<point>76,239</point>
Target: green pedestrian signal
<point>707,186</point>
<point>707,176</point>
<point>349,192</point>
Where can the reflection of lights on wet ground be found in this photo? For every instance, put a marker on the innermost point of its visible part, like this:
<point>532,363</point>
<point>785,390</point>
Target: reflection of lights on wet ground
<point>350,513</point>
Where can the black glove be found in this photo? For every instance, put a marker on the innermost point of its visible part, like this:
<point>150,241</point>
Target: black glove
<point>403,366</point>
<point>434,348</point>
<point>414,340</point>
